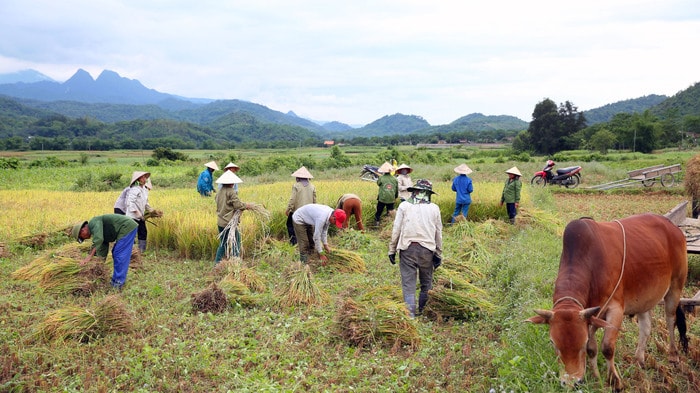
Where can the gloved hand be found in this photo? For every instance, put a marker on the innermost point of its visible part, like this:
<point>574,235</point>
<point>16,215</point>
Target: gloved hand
<point>392,259</point>
<point>437,261</point>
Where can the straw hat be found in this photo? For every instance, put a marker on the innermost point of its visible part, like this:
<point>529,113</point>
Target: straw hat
<point>514,171</point>
<point>232,165</point>
<point>302,173</point>
<point>463,169</point>
<point>404,166</point>
<point>135,176</point>
<point>385,168</point>
<point>229,178</point>
<point>212,165</point>
<point>422,185</point>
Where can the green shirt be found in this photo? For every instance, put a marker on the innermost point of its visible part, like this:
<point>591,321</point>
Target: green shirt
<point>511,191</point>
<point>388,188</point>
<point>109,228</point>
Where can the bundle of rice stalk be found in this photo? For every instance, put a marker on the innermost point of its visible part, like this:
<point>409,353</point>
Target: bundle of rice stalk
<point>346,261</point>
<point>212,299</point>
<point>445,303</point>
<point>66,275</point>
<point>155,213</point>
<point>388,292</point>
<point>39,240</point>
<point>237,292</point>
<point>463,265</point>
<point>384,323</point>
<point>109,316</point>
<point>233,226</point>
<point>299,288</point>
<point>235,268</point>
<point>452,279</point>
<point>33,270</point>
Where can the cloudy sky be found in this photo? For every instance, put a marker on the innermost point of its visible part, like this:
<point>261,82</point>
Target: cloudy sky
<point>356,61</point>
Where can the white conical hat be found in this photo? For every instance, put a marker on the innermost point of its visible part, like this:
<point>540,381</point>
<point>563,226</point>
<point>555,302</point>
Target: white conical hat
<point>212,165</point>
<point>404,166</point>
<point>514,171</point>
<point>463,169</point>
<point>137,174</point>
<point>385,168</point>
<point>229,178</point>
<point>302,173</point>
<point>232,165</point>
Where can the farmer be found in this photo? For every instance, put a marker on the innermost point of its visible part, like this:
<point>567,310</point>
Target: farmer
<point>388,192</point>
<point>511,193</point>
<point>227,203</point>
<point>463,187</point>
<point>105,229</point>
<point>232,168</point>
<point>137,205</point>
<point>351,205</point>
<point>303,193</point>
<point>417,235</point>
<point>205,182</point>
<point>404,181</point>
<point>311,224</point>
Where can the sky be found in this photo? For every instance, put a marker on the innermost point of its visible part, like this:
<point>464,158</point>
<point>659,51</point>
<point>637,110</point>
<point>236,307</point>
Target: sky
<point>357,61</point>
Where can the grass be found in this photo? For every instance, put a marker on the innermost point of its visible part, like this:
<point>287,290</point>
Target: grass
<point>262,345</point>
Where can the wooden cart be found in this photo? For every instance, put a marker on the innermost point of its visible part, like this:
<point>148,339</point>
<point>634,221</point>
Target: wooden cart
<point>645,176</point>
<point>691,229</point>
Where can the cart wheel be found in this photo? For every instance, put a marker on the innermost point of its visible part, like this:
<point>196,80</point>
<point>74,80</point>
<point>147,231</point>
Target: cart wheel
<point>538,181</point>
<point>667,180</point>
<point>575,180</point>
<point>649,182</point>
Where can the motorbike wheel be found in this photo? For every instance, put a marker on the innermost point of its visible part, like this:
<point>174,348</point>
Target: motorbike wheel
<point>573,182</point>
<point>538,181</point>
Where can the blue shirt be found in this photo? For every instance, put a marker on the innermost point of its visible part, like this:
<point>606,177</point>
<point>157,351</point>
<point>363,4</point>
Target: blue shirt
<point>205,183</point>
<point>462,185</point>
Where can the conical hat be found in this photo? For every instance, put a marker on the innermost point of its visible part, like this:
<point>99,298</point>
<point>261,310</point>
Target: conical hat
<point>229,178</point>
<point>463,169</point>
<point>514,171</point>
<point>232,165</point>
<point>302,173</point>
<point>385,168</point>
<point>404,166</point>
<point>212,165</point>
<point>137,174</point>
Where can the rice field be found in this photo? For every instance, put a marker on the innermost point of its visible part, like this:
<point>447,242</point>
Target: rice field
<point>261,323</point>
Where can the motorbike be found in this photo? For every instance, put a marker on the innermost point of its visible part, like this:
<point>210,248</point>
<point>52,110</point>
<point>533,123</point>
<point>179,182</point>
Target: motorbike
<point>369,173</point>
<point>569,177</point>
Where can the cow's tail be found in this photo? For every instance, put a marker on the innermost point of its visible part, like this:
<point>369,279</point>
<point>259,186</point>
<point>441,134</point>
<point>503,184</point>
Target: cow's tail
<point>682,328</point>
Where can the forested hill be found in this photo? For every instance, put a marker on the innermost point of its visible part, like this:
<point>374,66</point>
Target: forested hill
<point>637,105</point>
<point>684,103</point>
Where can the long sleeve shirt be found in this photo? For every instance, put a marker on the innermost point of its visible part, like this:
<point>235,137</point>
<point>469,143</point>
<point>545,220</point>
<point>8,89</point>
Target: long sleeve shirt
<point>317,216</point>
<point>109,228</point>
<point>511,191</point>
<point>227,202</point>
<point>205,183</point>
<point>303,193</point>
<point>404,182</point>
<point>421,223</point>
<point>137,202</point>
<point>463,186</point>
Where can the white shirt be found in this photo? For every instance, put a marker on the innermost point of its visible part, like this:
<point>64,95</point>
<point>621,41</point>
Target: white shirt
<point>319,217</point>
<point>137,202</point>
<point>419,223</point>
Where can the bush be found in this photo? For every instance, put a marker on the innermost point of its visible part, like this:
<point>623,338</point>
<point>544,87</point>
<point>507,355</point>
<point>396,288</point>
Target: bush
<point>9,163</point>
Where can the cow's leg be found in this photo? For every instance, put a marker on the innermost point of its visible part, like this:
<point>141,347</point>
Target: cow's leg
<point>592,351</point>
<point>671,301</point>
<point>614,317</point>
<point>644,323</point>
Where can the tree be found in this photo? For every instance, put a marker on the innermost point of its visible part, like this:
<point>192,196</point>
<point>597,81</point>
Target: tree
<point>602,141</point>
<point>552,129</point>
<point>647,131</point>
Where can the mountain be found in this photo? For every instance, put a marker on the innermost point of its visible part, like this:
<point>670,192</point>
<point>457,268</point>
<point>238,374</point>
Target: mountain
<point>109,88</point>
<point>683,103</point>
<point>396,124</point>
<point>637,105</point>
<point>25,76</point>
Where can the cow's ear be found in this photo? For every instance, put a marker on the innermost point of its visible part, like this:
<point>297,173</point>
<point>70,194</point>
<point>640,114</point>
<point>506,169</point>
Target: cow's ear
<point>543,316</point>
<point>600,323</point>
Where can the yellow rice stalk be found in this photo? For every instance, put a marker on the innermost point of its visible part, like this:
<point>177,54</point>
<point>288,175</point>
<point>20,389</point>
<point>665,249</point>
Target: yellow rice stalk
<point>346,261</point>
<point>237,292</point>
<point>445,303</point>
<point>389,292</point>
<point>234,267</point>
<point>155,213</point>
<point>108,316</point>
<point>454,280</point>
<point>385,322</point>
<point>233,225</point>
<point>33,270</point>
<point>298,288</point>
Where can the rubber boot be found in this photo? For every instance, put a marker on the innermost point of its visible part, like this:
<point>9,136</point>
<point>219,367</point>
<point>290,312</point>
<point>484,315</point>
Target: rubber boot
<point>142,246</point>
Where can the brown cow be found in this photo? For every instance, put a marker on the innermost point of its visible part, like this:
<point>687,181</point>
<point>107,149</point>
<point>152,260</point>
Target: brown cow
<point>608,270</point>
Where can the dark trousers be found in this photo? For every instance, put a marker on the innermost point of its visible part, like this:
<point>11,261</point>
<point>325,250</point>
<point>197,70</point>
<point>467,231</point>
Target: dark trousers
<point>380,208</point>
